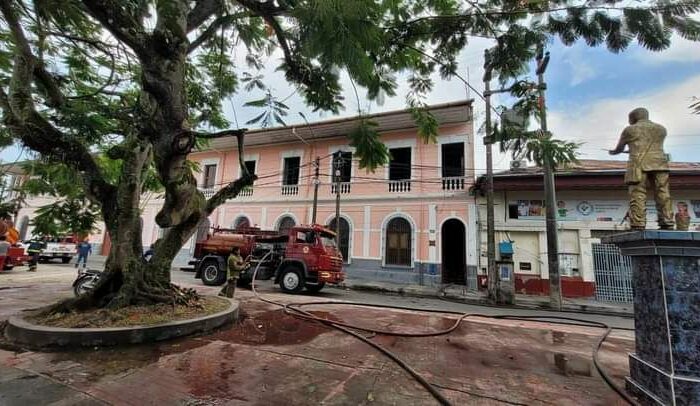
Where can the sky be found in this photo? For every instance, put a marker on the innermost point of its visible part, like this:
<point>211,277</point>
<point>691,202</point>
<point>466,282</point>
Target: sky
<point>589,93</point>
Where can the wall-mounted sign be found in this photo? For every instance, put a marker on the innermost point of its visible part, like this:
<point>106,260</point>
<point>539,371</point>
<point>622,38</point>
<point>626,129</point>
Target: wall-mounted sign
<point>594,210</point>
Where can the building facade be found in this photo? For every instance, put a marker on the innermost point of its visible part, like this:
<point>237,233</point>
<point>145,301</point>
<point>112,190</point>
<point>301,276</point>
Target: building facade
<point>592,202</point>
<point>411,221</point>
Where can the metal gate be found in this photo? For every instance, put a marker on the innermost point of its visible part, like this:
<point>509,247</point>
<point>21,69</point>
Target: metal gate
<point>613,274</point>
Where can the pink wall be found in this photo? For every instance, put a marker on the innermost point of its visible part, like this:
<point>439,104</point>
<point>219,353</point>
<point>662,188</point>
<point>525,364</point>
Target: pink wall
<point>367,207</point>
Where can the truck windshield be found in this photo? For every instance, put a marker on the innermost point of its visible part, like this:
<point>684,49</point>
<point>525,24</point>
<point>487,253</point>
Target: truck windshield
<point>328,240</point>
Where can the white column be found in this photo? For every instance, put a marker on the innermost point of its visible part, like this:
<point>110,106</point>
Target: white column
<point>472,242</point>
<point>366,228</point>
<point>544,266</point>
<point>263,218</point>
<point>586,255</point>
<point>432,232</point>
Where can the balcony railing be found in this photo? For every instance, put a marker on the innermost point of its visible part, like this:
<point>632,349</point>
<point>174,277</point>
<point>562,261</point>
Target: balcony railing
<point>344,187</point>
<point>454,183</point>
<point>290,190</point>
<point>208,192</point>
<point>246,192</point>
<point>400,186</point>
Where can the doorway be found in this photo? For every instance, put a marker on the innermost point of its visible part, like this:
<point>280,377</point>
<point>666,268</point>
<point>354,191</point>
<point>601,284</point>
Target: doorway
<point>344,239</point>
<point>454,255</point>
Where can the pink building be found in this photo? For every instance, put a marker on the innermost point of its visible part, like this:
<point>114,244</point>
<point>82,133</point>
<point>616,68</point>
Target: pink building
<point>411,221</point>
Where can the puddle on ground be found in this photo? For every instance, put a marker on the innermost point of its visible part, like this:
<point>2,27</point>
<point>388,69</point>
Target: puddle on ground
<point>274,328</point>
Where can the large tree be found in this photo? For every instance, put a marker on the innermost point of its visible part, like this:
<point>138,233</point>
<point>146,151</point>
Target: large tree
<point>140,83</point>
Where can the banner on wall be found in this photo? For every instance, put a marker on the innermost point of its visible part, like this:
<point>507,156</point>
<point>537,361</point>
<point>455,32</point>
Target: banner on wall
<point>594,210</point>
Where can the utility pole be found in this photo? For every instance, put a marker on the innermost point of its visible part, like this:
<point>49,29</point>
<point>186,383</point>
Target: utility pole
<point>317,164</point>
<point>490,223</point>
<point>337,164</point>
<point>549,192</point>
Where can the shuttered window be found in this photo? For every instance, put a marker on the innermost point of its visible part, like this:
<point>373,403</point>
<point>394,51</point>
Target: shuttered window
<point>398,242</point>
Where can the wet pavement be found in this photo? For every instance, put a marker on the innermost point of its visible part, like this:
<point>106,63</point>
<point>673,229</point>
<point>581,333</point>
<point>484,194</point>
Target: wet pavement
<point>270,358</point>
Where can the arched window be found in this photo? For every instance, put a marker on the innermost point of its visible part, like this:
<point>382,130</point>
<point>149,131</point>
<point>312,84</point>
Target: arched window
<point>285,223</point>
<point>241,222</point>
<point>398,242</point>
<point>344,237</point>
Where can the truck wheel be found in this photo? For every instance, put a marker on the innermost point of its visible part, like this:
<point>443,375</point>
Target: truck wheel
<point>212,274</point>
<point>315,288</point>
<point>292,280</point>
<point>65,260</point>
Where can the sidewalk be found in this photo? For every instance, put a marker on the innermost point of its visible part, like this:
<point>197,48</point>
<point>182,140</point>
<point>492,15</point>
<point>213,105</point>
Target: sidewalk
<point>460,293</point>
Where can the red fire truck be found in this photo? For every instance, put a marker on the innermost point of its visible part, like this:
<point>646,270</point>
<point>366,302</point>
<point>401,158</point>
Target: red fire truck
<point>302,257</point>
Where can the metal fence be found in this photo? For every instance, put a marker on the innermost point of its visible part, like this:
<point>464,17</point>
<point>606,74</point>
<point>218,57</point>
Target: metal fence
<point>613,274</point>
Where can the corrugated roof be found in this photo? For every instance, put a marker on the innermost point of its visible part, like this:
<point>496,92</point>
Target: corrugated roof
<point>592,166</point>
<point>446,113</point>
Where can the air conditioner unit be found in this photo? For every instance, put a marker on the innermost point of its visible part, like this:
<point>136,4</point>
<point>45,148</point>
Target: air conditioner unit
<point>517,165</point>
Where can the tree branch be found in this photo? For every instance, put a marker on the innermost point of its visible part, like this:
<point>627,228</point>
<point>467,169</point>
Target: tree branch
<point>201,12</point>
<point>234,188</point>
<point>43,77</point>
<point>226,133</point>
<point>27,125</point>
<point>224,21</point>
<point>112,15</point>
<point>266,8</point>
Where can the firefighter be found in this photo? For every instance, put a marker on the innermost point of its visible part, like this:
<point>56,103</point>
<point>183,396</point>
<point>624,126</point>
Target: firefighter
<point>236,265</point>
<point>34,249</point>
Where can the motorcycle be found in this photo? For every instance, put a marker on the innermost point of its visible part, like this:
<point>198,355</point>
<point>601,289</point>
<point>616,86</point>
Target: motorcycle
<point>86,281</point>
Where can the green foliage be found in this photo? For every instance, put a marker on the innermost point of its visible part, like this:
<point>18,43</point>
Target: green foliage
<point>273,111</point>
<point>65,217</point>
<point>368,146</point>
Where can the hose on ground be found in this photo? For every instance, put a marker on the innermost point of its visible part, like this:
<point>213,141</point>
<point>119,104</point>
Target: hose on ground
<point>295,309</point>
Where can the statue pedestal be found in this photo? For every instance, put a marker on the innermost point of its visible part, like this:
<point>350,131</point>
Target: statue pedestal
<point>665,368</point>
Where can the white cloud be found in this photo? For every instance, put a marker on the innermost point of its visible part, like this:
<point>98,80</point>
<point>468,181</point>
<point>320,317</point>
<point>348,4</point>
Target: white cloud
<point>681,50</point>
<point>599,123</point>
<point>581,72</point>
<point>575,59</point>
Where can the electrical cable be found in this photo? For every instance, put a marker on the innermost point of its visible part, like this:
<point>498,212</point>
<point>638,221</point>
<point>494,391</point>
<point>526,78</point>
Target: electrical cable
<point>294,309</point>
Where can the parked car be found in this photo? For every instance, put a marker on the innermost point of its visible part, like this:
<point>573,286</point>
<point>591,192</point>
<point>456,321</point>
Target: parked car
<point>63,248</point>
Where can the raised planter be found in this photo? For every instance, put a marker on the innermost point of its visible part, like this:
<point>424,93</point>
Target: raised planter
<point>24,333</point>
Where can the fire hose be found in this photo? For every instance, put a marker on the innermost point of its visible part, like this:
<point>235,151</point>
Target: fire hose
<point>295,310</point>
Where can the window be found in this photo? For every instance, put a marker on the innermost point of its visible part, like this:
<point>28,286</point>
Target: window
<point>305,237</point>
<point>285,224</point>
<point>343,164</point>
<point>241,222</point>
<point>453,160</point>
<point>398,242</point>
<point>290,174</point>
<point>209,176</point>
<point>250,166</point>
<point>400,163</point>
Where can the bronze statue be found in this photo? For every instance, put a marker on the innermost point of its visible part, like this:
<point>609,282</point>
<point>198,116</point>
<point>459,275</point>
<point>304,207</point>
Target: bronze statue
<point>647,163</point>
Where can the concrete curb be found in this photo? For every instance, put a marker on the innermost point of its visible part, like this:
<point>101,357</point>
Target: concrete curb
<point>479,301</point>
<point>21,332</point>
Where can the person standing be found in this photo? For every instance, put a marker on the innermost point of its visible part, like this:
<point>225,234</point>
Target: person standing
<point>4,249</point>
<point>236,265</point>
<point>647,163</point>
<point>34,249</point>
<point>84,249</point>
